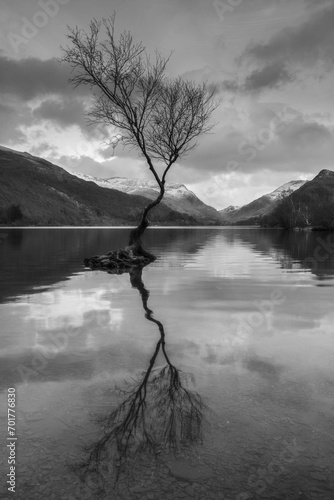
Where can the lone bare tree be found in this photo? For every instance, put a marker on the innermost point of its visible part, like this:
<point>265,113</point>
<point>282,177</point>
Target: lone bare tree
<point>158,116</point>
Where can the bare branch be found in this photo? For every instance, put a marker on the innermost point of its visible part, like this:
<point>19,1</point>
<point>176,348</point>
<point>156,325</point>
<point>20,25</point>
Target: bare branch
<point>159,117</point>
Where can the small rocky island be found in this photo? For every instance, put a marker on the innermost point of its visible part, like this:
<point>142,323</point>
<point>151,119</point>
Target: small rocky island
<point>119,261</point>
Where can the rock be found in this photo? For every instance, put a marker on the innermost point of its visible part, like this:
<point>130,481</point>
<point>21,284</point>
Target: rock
<point>190,491</point>
<point>185,472</point>
<point>143,489</point>
<point>118,262</point>
<point>318,476</point>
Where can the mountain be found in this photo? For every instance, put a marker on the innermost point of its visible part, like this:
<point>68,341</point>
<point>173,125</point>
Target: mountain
<point>310,205</point>
<point>253,211</point>
<point>288,187</point>
<point>34,191</point>
<point>228,210</point>
<point>177,196</point>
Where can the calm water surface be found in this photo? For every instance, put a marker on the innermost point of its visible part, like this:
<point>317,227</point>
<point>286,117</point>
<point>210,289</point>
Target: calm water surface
<point>247,313</point>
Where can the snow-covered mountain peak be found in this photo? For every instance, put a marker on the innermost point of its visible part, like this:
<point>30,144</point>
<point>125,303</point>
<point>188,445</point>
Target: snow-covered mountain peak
<point>230,208</point>
<point>177,196</point>
<point>288,187</point>
<point>131,186</point>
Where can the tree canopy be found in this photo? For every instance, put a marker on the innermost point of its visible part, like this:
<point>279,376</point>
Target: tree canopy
<point>159,116</point>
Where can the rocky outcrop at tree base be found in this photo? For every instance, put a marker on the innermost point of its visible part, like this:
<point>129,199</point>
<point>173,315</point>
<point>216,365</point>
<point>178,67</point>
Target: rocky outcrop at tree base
<point>119,261</point>
<point>132,257</point>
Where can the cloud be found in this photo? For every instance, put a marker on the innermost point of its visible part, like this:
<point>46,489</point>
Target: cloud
<point>244,185</point>
<point>275,63</point>
<point>34,92</point>
<point>270,76</point>
<point>64,112</point>
<point>13,116</point>
<point>317,4</point>
<point>44,149</point>
<point>267,136</point>
<point>305,44</point>
<point>32,78</point>
<point>118,167</point>
<point>229,85</point>
<point>307,136</point>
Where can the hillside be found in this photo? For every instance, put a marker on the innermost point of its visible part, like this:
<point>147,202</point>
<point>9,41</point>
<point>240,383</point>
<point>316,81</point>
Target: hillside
<point>48,195</point>
<point>310,205</point>
<point>177,196</point>
<point>253,211</point>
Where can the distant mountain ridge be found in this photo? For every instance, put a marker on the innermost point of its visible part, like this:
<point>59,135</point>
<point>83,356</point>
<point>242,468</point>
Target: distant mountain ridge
<point>312,205</point>
<point>252,212</point>
<point>285,188</point>
<point>34,191</point>
<point>324,174</point>
<point>46,194</point>
<point>177,196</point>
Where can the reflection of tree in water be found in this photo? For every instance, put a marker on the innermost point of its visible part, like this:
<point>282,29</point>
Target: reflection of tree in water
<point>158,410</point>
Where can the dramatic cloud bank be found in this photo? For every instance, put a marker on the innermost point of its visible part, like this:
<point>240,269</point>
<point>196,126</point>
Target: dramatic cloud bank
<point>271,62</point>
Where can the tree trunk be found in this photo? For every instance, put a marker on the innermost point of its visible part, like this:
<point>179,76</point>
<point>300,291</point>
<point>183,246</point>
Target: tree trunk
<point>133,256</point>
<point>135,242</point>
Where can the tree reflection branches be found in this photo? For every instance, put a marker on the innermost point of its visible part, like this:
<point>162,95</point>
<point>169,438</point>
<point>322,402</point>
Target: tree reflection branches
<point>158,411</point>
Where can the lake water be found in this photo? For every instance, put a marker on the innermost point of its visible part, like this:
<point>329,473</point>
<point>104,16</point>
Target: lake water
<point>247,313</point>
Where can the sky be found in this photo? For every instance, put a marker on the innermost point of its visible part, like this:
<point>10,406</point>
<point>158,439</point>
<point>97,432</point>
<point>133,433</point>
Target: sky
<point>271,62</point>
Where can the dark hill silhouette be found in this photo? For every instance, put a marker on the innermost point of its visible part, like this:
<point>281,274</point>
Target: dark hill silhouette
<point>47,195</point>
<point>310,205</point>
<point>253,211</point>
